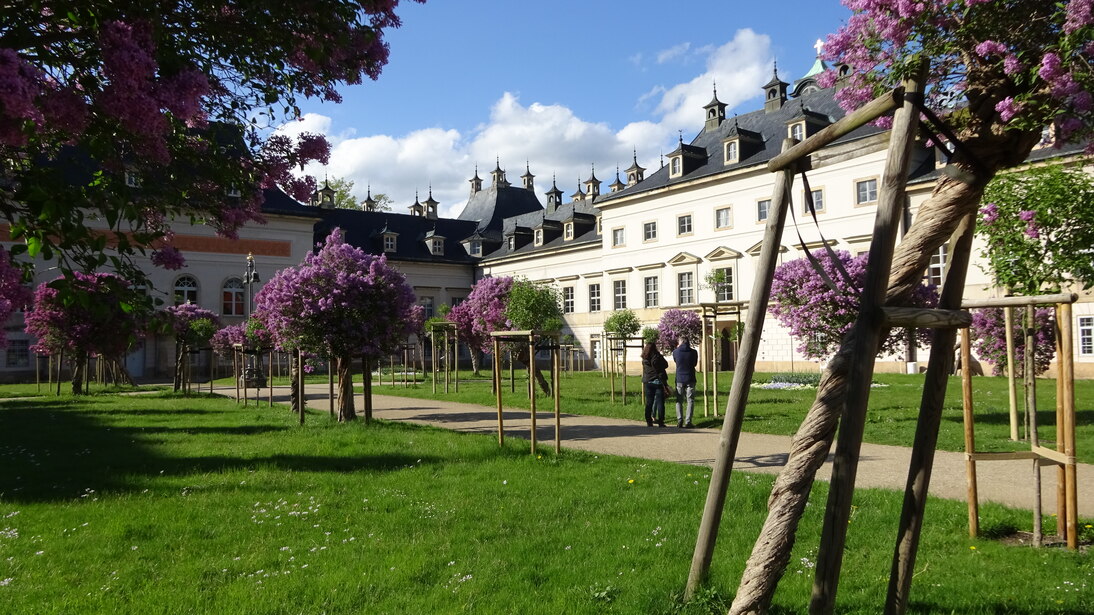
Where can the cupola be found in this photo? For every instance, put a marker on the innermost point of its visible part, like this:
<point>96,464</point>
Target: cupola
<point>775,92</point>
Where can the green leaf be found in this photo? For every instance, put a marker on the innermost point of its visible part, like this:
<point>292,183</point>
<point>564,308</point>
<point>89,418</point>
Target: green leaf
<point>34,246</point>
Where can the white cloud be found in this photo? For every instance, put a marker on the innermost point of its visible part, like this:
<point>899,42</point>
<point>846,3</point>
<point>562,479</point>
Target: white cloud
<point>552,138</point>
<point>672,53</point>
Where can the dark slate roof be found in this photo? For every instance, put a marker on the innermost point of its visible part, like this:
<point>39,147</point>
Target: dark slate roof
<point>582,211</point>
<point>364,229</point>
<point>489,206</point>
<point>1038,155</point>
<point>772,128</point>
<point>277,202</point>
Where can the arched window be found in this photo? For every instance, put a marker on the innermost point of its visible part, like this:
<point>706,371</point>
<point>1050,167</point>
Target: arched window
<point>232,298</point>
<point>186,290</point>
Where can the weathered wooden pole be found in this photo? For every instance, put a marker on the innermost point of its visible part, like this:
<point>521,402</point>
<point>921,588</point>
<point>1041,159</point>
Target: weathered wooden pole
<point>330,382</point>
<point>742,378</point>
<point>270,376</point>
<point>970,437</point>
<point>366,375</point>
<point>556,360</point>
<point>1061,474</point>
<point>1031,413</point>
<point>532,388</point>
<point>302,399</point>
<point>433,357</point>
<point>497,390</point>
<point>867,334</point>
<point>1012,386</point>
<point>932,402</point>
<point>1067,374</point>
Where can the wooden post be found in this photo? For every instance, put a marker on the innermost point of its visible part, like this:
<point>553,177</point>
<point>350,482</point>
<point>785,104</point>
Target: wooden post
<point>60,366</point>
<point>742,378</point>
<point>497,389</point>
<point>1061,475</point>
<point>38,372</point>
<point>300,384</point>
<point>610,353</point>
<point>866,334</point>
<point>703,358</point>
<point>330,383</point>
<point>556,362</point>
<point>243,370</point>
<point>455,363</point>
<point>433,357</point>
<point>1031,414</point>
<point>1067,374</point>
<point>366,376</point>
<point>235,370</point>
<point>623,367</point>
<point>970,437</point>
<point>270,376</point>
<point>714,344</point>
<point>1012,386</point>
<point>447,362</point>
<point>930,418</point>
<point>532,388</point>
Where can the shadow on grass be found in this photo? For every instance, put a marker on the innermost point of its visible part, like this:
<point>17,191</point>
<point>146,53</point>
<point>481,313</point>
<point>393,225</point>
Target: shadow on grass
<point>58,450</point>
<point>1044,417</point>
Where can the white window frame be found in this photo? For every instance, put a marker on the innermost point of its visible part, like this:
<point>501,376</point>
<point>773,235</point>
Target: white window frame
<point>651,292</point>
<point>870,193</point>
<point>685,225</point>
<point>936,269</point>
<point>725,292</point>
<point>475,248</point>
<point>763,210</point>
<point>568,231</point>
<point>1085,336</point>
<point>391,243</point>
<point>818,201</point>
<point>649,231</point>
<point>619,237</point>
<point>594,297</point>
<point>567,299</point>
<point>436,247</point>
<point>728,222</point>
<point>685,287</point>
<point>619,294</point>
<point>796,131</point>
<point>732,151</point>
<point>676,166</point>
<point>238,298</point>
<point>538,235</point>
<point>187,293</point>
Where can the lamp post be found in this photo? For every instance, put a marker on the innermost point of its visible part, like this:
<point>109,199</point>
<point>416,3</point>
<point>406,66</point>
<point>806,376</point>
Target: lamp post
<point>252,373</point>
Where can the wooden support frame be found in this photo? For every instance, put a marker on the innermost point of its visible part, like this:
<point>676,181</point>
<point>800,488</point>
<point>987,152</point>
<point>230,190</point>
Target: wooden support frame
<point>709,312</point>
<point>618,344</point>
<point>530,337</point>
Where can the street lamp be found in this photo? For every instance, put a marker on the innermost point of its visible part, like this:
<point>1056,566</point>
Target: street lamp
<point>250,278</point>
<point>252,373</point>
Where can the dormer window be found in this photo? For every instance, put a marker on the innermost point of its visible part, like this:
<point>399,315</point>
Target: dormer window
<point>436,247</point>
<point>132,180</point>
<point>796,130</point>
<point>538,237</point>
<point>675,166</point>
<point>475,248</point>
<point>732,151</point>
<point>568,231</point>
<point>390,242</point>
<point>512,243</point>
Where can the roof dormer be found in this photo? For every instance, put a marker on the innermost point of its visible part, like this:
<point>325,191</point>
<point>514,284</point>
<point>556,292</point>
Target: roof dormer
<point>685,159</point>
<point>774,92</point>
<point>740,144</point>
<point>434,242</point>
<point>634,172</point>
<point>715,112</point>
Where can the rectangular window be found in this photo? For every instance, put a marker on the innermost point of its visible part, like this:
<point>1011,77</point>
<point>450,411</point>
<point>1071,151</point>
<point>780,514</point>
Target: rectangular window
<point>865,191</point>
<point>437,247</point>
<point>731,152</point>
<point>599,226</point>
<point>427,305</point>
<point>568,300</point>
<point>476,248</point>
<point>389,243</point>
<point>674,166</point>
<point>683,225</point>
<point>763,209</point>
<point>723,289</point>
<point>649,231</point>
<point>617,237</point>
<point>936,271</point>
<point>687,287</point>
<point>568,231</point>
<point>797,131</point>
<point>18,354</point>
<point>594,297</point>
<point>650,284</point>
<point>1086,336</point>
<point>723,218</point>
<point>539,237</point>
<point>619,292</point>
<point>818,202</point>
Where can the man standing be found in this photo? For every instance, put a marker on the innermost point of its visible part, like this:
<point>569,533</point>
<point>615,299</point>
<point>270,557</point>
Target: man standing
<point>686,359</point>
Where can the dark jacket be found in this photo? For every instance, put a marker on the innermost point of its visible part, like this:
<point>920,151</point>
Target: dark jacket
<point>653,368</point>
<point>686,359</point>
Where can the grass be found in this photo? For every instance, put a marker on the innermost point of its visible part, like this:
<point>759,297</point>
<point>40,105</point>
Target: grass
<point>165,504</point>
<point>891,418</point>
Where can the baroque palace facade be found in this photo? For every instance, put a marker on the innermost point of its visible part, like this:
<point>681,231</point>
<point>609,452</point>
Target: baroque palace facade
<point>648,243</point>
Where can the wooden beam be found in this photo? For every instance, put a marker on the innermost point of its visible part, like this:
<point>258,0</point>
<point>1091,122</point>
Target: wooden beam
<point>1020,301</point>
<point>1051,455</point>
<point>925,318</point>
<point>1001,456</point>
<point>860,117</point>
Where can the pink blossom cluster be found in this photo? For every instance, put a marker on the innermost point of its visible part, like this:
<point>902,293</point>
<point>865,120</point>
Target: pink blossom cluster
<point>1045,56</point>
<point>183,317</point>
<point>820,316</point>
<point>483,311</point>
<point>13,294</point>
<point>87,314</point>
<point>340,301</point>
<point>168,257</point>
<point>676,323</point>
<point>226,338</point>
<point>989,335</point>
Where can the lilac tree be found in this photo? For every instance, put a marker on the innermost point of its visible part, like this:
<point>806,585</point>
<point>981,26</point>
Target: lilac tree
<point>83,315</point>
<point>675,324</point>
<point>192,326</point>
<point>817,314</point>
<point>989,333</point>
<point>146,112</point>
<point>341,302</point>
<point>13,295</point>
<point>999,72</point>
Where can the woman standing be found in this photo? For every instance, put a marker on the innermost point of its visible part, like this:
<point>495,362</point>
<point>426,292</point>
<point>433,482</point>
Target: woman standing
<point>654,378</point>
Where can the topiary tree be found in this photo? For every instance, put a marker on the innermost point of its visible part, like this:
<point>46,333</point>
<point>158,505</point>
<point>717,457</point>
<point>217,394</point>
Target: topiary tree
<point>342,301</point>
<point>86,314</point>
<point>989,335</point>
<point>147,112</point>
<point>999,72</point>
<point>675,324</point>
<point>622,323</point>
<point>820,316</point>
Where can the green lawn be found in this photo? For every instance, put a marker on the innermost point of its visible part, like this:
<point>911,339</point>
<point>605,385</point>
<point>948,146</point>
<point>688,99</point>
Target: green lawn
<point>891,418</point>
<point>164,504</point>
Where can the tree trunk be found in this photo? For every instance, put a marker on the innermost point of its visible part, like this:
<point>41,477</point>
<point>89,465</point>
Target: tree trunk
<point>476,359</point>
<point>79,369</point>
<point>180,349</point>
<point>295,394</point>
<point>530,361</point>
<point>346,411</point>
<point>954,196</point>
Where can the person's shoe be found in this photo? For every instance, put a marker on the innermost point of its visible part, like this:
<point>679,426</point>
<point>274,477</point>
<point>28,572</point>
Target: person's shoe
<point>649,423</point>
<point>689,426</point>
<point>661,423</point>
<point>680,424</point>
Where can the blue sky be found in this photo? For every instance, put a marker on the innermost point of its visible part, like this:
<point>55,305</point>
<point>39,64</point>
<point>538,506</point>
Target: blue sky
<point>563,84</point>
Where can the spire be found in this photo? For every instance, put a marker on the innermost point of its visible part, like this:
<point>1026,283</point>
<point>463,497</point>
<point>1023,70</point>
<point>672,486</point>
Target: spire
<point>369,204</point>
<point>715,111</point>
<point>617,185</point>
<point>476,182</point>
<point>527,178</point>
<point>579,195</point>
<point>774,91</point>
<point>634,172</point>
<point>430,205</point>
<point>498,176</point>
<point>554,196</point>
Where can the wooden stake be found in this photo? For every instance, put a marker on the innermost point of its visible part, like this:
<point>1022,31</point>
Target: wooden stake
<point>970,438</point>
<point>497,389</point>
<point>1012,385</point>
<point>1061,474</point>
<point>1031,414</point>
<point>366,375</point>
<point>556,360</point>
<point>300,385</point>
<point>1067,374</point>
<point>532,389</point>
